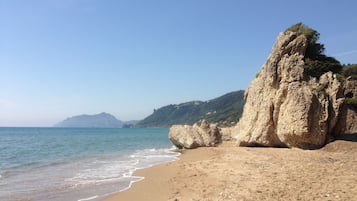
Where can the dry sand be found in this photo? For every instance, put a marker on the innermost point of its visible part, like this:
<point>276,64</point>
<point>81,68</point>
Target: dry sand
<point>232,173</point>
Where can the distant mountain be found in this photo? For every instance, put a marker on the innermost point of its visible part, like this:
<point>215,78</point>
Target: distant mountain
<point>224,110</point>
<point>102,120</point>
<point>130,124</point>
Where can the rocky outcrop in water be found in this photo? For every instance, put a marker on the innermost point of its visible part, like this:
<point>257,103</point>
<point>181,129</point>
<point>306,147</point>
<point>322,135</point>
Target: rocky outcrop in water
<point>286,108</point>
<point>189,137</point>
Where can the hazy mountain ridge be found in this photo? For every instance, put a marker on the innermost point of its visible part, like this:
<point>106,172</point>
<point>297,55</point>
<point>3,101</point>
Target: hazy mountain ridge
<point>224,110</point>
<point>102,120</point>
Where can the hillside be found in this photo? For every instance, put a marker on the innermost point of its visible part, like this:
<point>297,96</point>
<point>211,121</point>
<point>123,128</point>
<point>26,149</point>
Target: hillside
<point>102,120</point>
<point>224,110</point>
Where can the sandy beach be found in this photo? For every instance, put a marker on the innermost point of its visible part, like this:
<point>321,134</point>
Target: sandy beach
<point>232,173</point>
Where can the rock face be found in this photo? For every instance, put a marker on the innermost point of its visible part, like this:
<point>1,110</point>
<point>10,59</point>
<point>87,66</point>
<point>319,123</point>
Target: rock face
<point>347,121</point>
<point>189,137</point>
<point>284,107</point>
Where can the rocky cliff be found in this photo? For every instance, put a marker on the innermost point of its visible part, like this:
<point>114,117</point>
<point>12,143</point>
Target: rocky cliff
<point>347,121</point>
<point>287,108</point>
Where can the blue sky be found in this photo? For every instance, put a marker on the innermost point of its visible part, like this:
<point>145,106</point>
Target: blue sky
<point>60,58</point>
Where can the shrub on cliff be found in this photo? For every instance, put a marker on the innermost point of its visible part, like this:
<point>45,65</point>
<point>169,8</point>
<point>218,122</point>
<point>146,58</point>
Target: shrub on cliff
<point>351,102</point>
<point>316,62</point>
<point>350,71</point>
<point>317,67</point>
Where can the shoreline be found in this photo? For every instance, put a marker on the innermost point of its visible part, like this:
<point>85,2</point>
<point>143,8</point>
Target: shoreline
<point>154,186</point>
<point>228,172</point>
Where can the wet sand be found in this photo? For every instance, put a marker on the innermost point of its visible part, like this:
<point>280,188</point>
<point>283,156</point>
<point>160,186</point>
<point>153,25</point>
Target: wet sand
<point>232,173</point>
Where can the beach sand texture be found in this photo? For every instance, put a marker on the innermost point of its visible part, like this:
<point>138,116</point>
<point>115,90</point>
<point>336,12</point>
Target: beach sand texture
<point>233,173</point>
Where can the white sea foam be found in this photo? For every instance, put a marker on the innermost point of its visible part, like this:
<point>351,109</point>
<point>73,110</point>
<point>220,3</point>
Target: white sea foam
<point>131,183</point>
<point>3,175</point>
<point>110,170</point>
<point>116,172</point>
<point>89,198</point>
<point>106,171</point>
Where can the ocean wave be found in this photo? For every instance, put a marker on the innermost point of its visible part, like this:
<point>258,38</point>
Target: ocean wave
<point>164,154</point>
<point>89,198</point>
<point>161,152</point>
<point>3,174</point>
<point>105,170</point>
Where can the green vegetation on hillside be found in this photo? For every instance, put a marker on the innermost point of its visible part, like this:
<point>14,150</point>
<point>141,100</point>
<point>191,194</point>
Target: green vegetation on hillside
<point>316,62</point>
<point>225,111</point>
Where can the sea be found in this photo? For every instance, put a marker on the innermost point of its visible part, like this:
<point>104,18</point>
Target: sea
<point>77,164</point>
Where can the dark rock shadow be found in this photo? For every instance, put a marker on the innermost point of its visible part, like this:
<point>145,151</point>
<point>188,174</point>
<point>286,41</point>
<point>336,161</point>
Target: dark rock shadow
<point>347,137</point>
<point>344,143</point>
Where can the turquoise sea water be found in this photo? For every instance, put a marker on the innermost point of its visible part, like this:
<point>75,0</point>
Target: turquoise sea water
<point>76,163</point>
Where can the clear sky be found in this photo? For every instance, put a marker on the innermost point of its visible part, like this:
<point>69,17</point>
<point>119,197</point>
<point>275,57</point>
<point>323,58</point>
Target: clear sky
<point>60,58</point>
